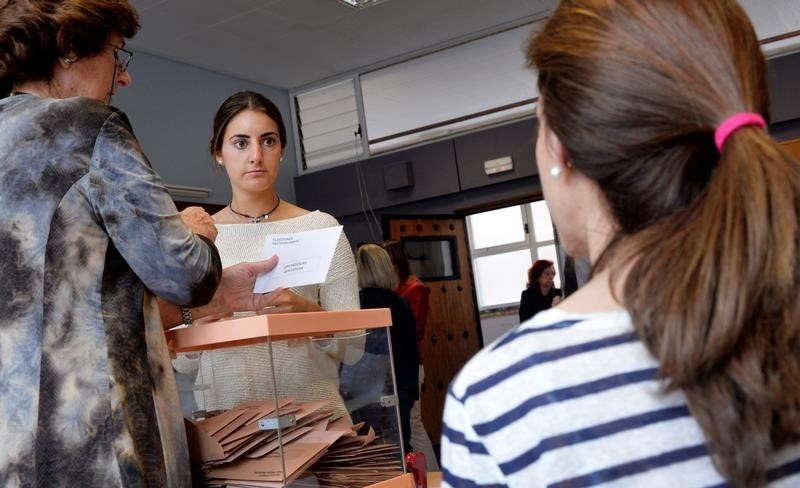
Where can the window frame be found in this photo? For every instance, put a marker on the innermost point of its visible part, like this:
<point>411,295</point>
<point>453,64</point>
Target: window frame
<point>529,243</point>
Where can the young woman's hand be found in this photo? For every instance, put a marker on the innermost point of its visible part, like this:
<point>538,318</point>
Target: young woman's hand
<point>288,301</point>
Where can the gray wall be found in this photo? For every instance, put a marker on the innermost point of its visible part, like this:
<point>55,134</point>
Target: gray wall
<point>171,106</point>
<point>465,190</point>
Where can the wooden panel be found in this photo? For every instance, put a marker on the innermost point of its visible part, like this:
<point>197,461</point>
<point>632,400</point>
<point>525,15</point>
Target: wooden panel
<point>453,330</point>
<point>793,147</point>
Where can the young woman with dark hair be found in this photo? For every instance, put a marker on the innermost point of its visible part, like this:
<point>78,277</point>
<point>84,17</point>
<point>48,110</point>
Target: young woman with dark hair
<point>677,363</point>
<point>248,141</point>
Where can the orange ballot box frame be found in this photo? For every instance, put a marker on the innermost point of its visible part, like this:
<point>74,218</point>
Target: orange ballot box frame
<point>280,326</point>
<point>402,481</point>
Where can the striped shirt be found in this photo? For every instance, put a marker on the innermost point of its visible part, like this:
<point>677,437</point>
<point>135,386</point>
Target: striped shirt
<point>573,400</point>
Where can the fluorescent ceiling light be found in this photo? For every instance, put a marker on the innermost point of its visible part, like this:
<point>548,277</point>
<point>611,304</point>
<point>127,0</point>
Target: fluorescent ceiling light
<point>361,3</point>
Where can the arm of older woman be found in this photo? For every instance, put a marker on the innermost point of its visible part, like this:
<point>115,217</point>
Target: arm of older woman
<point>142,222</point>
<point>234,294</point>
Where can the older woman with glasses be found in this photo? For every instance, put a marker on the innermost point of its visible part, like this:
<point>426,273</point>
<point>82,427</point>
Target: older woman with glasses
<point>86,393</point>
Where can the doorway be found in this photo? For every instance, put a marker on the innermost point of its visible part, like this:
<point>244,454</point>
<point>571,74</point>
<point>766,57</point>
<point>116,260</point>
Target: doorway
<point>440,249</point>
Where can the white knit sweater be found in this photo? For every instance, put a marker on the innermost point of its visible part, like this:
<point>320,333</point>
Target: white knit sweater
<point>305,369</point>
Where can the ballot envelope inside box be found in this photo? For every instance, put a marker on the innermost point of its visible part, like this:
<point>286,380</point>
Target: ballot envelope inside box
<point>300,399</point>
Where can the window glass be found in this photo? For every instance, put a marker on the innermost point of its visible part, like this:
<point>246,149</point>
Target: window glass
<point>497,227</point>
<point>500,278</point>
<point>542,225</point>
<point>448,86</point>
<point>327,120</point>
<point>432,259</point>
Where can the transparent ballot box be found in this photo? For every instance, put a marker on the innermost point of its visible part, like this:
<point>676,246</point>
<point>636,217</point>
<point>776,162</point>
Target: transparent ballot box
<point>300,399</point>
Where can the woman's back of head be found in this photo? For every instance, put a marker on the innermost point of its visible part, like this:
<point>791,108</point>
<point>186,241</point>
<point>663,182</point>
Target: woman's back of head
<point>375,269</point>
<point>34,34</point>
<point>397,251</point>
<point>634,90</point>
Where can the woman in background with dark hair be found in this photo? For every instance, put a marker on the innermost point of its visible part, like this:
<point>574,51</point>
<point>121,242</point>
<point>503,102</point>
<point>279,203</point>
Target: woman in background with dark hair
<point>677,363</point>
<point>409,286</point>
<point>540,293</point>
<point>416,292</point>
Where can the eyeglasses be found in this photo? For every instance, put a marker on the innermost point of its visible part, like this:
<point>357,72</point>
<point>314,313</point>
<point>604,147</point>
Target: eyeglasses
<point>122,57</point>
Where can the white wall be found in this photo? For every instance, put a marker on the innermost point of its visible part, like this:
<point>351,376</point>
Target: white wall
<point>171,106</point>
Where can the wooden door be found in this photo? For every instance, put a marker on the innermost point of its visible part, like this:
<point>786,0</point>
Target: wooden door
<point>452,334</point>
<point>793,147</point>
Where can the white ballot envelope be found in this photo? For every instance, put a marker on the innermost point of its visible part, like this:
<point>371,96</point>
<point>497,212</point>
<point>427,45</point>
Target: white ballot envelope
<point>303,258</point>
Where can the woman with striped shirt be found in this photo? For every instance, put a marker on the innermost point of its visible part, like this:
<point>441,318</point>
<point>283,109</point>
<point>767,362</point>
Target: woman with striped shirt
<point>677,364</point>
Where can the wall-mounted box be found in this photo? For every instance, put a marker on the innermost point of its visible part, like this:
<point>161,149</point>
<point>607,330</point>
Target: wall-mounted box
<point>337,191</point>
<point>397,176</point>
<point>514,141</point>
<point>498,165</point>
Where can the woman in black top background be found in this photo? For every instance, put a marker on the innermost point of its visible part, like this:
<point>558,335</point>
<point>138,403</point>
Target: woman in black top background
<point>377,280</point>
<point>541,294</point>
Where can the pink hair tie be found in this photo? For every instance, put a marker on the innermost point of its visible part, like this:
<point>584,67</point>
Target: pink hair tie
<point>734,123</point>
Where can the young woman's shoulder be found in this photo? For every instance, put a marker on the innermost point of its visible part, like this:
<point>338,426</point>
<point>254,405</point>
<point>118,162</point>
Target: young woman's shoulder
<point>291,211</point>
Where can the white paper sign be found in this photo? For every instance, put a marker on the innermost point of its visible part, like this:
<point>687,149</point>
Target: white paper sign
<point>303,258</point>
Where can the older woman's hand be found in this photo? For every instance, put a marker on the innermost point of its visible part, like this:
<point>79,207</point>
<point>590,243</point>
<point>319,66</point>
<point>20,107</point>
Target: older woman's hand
<point>199,222</point>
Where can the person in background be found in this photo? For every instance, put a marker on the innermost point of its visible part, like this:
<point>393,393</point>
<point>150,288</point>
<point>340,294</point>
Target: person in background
<point>677,362</point>
<point>377,279</point>
<point>414,290</point>
<point>248,141</point>
<point>87,229</point>
<point>540,293</point>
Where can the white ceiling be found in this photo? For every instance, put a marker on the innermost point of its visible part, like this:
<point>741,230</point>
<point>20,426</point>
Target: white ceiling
<point>290,43</point>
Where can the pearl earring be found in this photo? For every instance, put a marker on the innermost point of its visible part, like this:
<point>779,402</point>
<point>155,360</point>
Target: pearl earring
<point>555,172</point>
<point>219,162</point>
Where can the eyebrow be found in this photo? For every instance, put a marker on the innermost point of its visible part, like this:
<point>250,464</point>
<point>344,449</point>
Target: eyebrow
<point>247,136</point>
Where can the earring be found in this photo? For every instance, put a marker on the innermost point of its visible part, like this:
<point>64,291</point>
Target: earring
<point>280,160</point>
<point>68,61</point>
<point>219,162</point>
<point>555,172</point>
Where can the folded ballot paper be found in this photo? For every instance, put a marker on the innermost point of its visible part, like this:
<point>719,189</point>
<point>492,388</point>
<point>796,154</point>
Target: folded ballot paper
<point>303,258</point>
<point>231,450</point>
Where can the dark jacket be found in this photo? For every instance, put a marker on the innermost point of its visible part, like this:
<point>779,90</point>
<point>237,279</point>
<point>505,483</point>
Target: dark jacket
<point>532,301</point>
<point>403,334</point>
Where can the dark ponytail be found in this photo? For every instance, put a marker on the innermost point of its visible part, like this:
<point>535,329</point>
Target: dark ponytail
<point>634,90</point>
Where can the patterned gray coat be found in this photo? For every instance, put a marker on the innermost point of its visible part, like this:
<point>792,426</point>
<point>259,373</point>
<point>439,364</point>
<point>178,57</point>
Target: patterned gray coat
<point>87,396</point>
